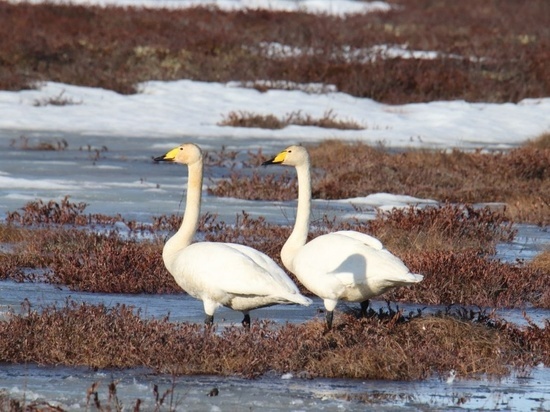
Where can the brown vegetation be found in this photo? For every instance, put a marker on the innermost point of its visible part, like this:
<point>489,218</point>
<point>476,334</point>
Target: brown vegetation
<point>542,260</point>
<point>385,345</point>
<point>450,245</point>
<point>24,143</point>
<point>466,278</point>
<point>328,121</point>
<point>247,119</point>
<point>39,212</point>
<point>81,259</point>
<point>256,187</point>
<point>487,51</point>
<point>58,100</point>
<point>441,228</point>
<point>491,52</point>
<point>541,142</point>
<point>520,178</point>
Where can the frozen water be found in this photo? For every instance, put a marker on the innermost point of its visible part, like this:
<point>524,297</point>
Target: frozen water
<point>125,180</point>
<point>67,388</point>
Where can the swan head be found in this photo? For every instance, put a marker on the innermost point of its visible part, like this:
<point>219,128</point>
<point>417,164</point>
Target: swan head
<point>187,153</point>
<point>294,155</point>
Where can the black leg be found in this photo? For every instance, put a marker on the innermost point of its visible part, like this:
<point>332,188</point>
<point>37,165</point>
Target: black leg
<point>365,308</point>
<point>329,315</point>
<point>209,320</point>
<point>246,321</point>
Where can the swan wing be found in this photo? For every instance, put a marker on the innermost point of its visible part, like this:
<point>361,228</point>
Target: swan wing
<point>361,237</point>
<point>345,257</point>
<point>268,264</point>
<point>384,262</point>
<point>216,269</point>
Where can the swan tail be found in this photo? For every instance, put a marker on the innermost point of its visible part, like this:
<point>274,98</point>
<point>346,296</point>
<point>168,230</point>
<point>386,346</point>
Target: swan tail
<point>299,299</point>
<point>416,277</point>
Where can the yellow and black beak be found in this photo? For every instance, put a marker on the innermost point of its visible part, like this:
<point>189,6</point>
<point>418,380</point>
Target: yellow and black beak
<point>280,158</point>
<point>168,157</point>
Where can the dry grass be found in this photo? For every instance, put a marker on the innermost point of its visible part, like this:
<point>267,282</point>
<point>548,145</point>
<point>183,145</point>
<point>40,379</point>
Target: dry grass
<point>541,142</point>
<point>450,245</point>
<point>466,278</point>
<point>542,260</point>
<point>455,176</point>
<point>490,52</point>
<point>58,100</point>
<point>24,143</point>
<point>247,119</point>
<point>14,404</point>
<point>256,187</point>
<point>12,234</point>
<point>520,178</point>
<point>386,346</point>
<point>39,212</point>
<point>164,401</point>
<point>442,228</point>
<point>87,261</point>
<point>529,209</point>
<point>328,121</point>
<point>45,238</point>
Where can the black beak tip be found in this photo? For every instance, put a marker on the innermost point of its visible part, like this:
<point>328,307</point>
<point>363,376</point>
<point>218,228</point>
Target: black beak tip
<point>158,159</point>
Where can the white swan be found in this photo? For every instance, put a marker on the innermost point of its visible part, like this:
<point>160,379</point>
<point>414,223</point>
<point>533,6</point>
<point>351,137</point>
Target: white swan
<point>344,265</point>
<point>221,274</point>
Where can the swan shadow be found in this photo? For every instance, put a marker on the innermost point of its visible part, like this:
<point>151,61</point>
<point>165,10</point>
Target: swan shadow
<point>353,270</point>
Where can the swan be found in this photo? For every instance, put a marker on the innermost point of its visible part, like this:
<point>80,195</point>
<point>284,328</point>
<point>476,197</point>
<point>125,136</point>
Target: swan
<point>220,274</point>
<point>344,265</point>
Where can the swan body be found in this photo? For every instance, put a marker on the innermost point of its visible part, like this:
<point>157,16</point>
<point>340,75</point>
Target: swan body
<point>221,274</point>
<point>344,265</point>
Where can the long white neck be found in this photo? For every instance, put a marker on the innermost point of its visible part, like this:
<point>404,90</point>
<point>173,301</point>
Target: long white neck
<point>186,232</point>
<point>298,237</point>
